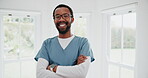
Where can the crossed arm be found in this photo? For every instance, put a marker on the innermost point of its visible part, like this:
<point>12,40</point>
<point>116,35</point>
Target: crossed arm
<point>77,71</point>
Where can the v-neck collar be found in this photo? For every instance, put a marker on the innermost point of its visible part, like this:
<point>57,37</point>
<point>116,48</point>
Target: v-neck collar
<point>67,45</point>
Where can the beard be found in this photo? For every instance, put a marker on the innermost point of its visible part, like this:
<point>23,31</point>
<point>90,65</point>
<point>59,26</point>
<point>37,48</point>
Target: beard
<point>66,30</point>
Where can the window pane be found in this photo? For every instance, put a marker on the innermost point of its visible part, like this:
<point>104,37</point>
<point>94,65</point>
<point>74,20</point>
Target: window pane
<point>129,31</point>
<point>79,28</point>
<point>27,37</point>
<point>115,55</point>
<point>129,56</point>
<point>18,37</point>
<point>28,69</point>
<point>126,73</point>
<point>129,38</point>
<point>116,24</point>
<point>113,71</point>
<point>11,31</point>
<point>12,70</point>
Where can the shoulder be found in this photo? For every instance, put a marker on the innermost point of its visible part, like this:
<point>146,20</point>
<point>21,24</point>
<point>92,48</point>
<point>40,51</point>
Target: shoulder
<point>81,39</point>
<point>48,40</point>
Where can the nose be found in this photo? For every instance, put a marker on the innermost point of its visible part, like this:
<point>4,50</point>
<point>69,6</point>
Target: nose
<point>61,19</point>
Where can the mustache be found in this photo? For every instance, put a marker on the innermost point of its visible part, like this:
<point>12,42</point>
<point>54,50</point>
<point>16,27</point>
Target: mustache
<point>62,22</point>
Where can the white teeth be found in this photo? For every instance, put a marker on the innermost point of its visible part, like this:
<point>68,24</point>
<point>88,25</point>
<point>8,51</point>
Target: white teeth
<point>62,25</point>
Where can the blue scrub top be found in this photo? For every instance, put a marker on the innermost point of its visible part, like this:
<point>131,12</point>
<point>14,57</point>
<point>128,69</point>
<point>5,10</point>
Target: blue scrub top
<point>52,51</point>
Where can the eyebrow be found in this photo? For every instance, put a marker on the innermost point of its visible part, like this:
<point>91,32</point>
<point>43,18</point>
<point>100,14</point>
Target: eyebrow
<point>62,14</point>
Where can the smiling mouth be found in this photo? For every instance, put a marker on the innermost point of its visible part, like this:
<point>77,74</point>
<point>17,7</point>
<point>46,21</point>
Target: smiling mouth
<point>62,25</point>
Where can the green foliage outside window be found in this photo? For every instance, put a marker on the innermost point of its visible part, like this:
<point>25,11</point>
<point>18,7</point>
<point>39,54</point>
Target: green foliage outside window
<point>18,36</point>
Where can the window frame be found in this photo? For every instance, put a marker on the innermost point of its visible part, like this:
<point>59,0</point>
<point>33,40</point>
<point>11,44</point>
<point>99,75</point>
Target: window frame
<point>37,35</point>
<point>106,36</point>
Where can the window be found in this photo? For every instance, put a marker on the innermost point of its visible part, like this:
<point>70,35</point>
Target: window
<point>80,24</point>
<point>120,41</point>
<point>18,37</point>
<point>122,50</point>
<point>18,32</point>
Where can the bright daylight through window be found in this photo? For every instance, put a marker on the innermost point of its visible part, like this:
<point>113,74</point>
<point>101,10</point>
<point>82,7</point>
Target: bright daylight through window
<point>18,43</point>
<point>119,45</point>
<point>122,51</point>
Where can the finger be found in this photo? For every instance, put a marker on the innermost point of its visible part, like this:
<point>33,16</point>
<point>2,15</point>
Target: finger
<point>48,68</point>
<point>84,57</point>
<point>79,62</point>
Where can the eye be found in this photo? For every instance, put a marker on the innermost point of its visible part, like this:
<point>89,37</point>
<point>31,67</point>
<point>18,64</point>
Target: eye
<point>66,15</point>
<point>57,16</point>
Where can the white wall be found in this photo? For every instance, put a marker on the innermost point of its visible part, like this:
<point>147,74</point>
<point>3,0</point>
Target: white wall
<point>142,40</point>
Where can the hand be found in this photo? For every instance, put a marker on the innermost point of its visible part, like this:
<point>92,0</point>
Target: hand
<point>54,69</point>
<point>48,68</point>
<point>81,59</point>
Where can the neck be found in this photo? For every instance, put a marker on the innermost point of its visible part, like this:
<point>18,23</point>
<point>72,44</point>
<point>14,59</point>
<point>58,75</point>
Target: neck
<point>66,35</point>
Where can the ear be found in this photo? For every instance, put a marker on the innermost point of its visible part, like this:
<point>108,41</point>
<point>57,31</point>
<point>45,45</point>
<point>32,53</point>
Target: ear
<point>72,20</point>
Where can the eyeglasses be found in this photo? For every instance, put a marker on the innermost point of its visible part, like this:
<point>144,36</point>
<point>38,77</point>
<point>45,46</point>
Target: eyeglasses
<point>64,16</point>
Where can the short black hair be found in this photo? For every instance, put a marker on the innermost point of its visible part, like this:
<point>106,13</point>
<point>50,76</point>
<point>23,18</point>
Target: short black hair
<point>63,5</point>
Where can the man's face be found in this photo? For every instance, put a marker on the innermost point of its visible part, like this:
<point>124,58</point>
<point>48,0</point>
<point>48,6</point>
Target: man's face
<point>63,19</point>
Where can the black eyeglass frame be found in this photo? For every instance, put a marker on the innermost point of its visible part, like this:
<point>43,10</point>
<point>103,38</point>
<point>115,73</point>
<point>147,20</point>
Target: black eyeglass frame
<point>58,17</point>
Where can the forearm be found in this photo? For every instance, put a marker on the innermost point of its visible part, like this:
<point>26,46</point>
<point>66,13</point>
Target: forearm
<point>77,71</point>
<point>42,72</point>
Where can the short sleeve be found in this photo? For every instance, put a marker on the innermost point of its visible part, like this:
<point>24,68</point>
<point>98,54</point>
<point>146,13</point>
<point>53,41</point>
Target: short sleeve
<point>86,49</point>
<point>43,52</point>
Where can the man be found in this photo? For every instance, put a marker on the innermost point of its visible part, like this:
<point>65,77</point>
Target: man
<point>65,55</point>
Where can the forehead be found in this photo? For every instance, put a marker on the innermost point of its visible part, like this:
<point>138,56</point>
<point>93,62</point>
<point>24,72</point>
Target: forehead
<point>62,10</point>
